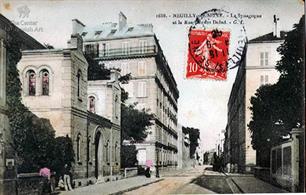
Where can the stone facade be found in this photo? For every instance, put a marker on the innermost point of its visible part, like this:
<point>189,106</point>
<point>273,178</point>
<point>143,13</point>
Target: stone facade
<point>55,87</point>
<point>136,50</point>
<point>257,69</point>
<point>8,33</point>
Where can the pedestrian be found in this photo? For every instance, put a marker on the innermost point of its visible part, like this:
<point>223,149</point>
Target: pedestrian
<point>46,173</point>
<point>147,172</point>
<point>61,183</point>
<point>67,178</point>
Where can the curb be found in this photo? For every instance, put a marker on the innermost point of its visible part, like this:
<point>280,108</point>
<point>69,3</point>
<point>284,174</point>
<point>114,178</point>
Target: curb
<point>134,188</point>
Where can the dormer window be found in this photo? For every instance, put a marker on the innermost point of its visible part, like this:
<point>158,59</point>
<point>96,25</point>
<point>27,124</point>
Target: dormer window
<point>84,34</point>
<point>98,32</point>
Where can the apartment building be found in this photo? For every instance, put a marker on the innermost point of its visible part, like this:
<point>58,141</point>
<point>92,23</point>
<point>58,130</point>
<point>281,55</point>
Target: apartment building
<point>136,50</point>
<point>258,68</point>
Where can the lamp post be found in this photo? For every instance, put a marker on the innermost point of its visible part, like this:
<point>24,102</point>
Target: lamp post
<point>157,169</point>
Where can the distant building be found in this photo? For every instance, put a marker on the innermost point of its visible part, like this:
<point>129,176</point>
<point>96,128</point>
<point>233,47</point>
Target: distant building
<point>258,68</point>
<point>136,50</point>
<point>8,34</point>
<point>183,148</point>
<point>55,87</point>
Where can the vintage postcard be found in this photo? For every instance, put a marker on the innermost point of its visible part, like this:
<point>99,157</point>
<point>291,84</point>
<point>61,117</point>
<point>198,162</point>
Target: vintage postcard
<point>152,97</point>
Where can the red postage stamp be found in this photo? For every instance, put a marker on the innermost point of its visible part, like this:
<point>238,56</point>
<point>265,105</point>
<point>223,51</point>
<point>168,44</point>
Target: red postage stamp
<point>208,54</point>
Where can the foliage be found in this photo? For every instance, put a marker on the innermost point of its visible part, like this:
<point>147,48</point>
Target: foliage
<point>96,71</point>
<point>278,108</point>
<point>63,150</point>
<point>33,138</point>
<point>128,156</point>
<point>194,135</point>
<point>134,123</point>
<point>217,162</point>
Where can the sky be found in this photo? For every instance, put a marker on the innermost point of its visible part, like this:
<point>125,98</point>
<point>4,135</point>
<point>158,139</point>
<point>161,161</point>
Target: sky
<point>202,103</point>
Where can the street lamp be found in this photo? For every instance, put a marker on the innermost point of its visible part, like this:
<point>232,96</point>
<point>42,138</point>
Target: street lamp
<point>157,170</point>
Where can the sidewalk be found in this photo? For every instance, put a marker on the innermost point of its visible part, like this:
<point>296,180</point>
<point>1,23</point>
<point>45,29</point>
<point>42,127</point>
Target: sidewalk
<point>250,184</point>
<point>114,187</point>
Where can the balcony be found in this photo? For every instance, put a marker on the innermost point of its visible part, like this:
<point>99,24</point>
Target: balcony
<point>128,52</point>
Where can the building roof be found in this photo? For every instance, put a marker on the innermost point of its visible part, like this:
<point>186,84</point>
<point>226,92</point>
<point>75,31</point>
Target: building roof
<point>269,37</point>
<point>111,31</point>
<point>27,41</point>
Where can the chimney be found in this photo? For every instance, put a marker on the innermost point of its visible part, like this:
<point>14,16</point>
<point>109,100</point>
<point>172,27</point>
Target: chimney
<point>276,26</point>
<point>114,75</point>
<point>76,41</point>
<point>122,21</point>
<point>77,26</point>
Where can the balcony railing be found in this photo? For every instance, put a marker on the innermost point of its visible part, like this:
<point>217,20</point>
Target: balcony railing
<point>127,52</point>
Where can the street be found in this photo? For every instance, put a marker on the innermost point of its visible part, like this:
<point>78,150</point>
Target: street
<point>197,180</point>
<point>200,180</point>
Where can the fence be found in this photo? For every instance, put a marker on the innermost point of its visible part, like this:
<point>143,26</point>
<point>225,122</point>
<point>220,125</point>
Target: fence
<point>284,162</point>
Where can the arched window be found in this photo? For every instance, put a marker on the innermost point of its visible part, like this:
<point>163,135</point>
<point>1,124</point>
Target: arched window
<point>116,106</point>
<point>45,82</point>
<point>78,147</point>
<point>92,104</point>
<point>89,149</point>
<point>32,82</point>
<point>79,75</point>
<point>116,149</point>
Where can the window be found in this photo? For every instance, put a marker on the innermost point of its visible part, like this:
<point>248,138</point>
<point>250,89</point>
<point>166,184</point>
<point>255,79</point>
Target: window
<point>116,149</point>
<point>143,44</point>
<point>141,89</point>
<point>264,79</point>
<point>78,147</point>
<point>79,75</point>
<point>92,50</point>
<point>105,49</point>
<point>125,48</point>
<point>116,106</point>
<point>92,104</point>
<point>107,151</point>
<point>45,82</point>
<point>32,82</point>
<point>264,59</point>
<point>141,68</point>
<point>125,68</point>
<point>89,149</point>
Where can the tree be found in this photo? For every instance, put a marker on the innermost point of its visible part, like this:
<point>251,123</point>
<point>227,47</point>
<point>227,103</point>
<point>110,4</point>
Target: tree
<point>64,154</point>
<point>194,135</point>
<point>278,108</point>
<point>291,81</point>
<point>134,123</point>
<point>128,156</point>
<point>96,71</point>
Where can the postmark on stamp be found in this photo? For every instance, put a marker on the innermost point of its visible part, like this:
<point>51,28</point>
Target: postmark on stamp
<point>217,43</point>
